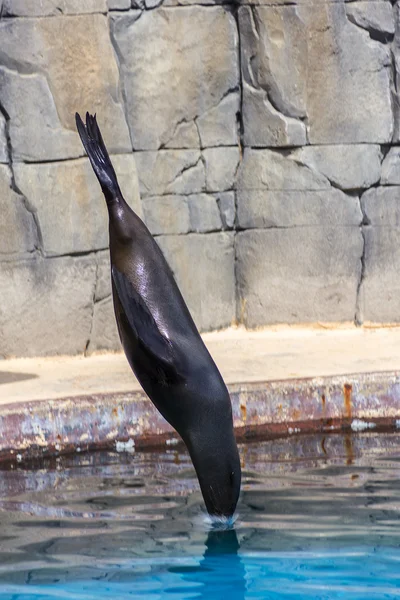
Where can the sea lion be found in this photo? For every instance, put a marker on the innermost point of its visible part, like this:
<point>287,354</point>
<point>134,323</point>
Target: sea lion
<point>162,343</point>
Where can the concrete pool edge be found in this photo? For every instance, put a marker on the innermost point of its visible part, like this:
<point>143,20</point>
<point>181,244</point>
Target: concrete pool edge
<point>125,421</point>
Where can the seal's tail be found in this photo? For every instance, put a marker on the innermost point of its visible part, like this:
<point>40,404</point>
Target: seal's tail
<point>98,156</point>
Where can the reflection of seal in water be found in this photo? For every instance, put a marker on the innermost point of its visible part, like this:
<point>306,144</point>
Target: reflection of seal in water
<point>162,343</point>
<point>220,573</point>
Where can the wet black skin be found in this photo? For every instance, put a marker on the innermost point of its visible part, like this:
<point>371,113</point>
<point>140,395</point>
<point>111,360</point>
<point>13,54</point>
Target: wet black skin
<point>162,344</point>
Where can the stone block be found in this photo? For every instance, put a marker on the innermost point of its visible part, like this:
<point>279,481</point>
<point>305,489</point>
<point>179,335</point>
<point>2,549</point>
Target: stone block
<point>170,172</point>
<point>191,2</point>
<point>273,170</point>
<point>391,167</point>
<point>204,270</point>
<point>221,167</point>
<point>35,129</point>
<point>380,288</point>
<point>3,140</point>
<point>275,51</point>
<point>346,60</point>
<point>173,73</point>
<point>119,4</point>
<point>299,63</point>
<point>166,214</point>
<point>70,206</point>
<point>218,125</point>
<point>181,214</point>
<point>46,306</point>
<point>51,8</point>
<point>17,227</point>
<point>204,213</point>
<point>265,209</point>
<point>274,70</point>
<point>381,206</point>
<point>227,209</point>
<point>264,126</point>
<point>375,17</point>
<point>348,167</point>
<point>396,55</point>
<point>78,59</point>
<point>298,275</point>
<point>104,334</point>
<point>103,276</point>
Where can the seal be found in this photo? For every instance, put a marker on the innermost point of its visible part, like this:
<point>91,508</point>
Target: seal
<point>162,343</point>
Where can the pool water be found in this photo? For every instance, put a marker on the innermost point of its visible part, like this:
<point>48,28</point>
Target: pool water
<point>319,518</point>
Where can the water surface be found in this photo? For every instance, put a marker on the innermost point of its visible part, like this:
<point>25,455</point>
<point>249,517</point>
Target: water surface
<point>318,519</point>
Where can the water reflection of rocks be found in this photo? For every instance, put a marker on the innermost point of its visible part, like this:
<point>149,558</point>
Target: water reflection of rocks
<point>123,518</point>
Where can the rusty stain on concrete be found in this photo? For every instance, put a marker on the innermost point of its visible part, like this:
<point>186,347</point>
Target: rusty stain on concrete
<point>268,409</point>
<point>347,391</point>
<point>243,408</point>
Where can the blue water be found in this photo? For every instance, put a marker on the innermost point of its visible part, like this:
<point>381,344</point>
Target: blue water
<point>319,518</point>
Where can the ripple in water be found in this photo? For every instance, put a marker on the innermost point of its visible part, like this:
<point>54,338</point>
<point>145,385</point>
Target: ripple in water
<point>319,518</point>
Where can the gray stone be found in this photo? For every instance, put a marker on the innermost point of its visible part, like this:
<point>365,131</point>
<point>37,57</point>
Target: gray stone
<point>299,2</point>
<point>218,126</point>
<point>166,85</point>
<point>396,54</point>
<point>265,209</point>
<point>191,2</point>
<point>119,4</point>
<point>181,214</point>
<point>348,167</point>
<point>185,135</point>
<point>170,172</point>
<point>69,203</point>
<point>381,206</point>
<point>152,3</point>
<point>298,275</point>
<point>342,60</point>
<point>227,209</point>
<point>103,276</point>
<point>204,213</point>
<point>78,60</point>
<point>46,306</point>
<point>376,17</point>
<point>391,167</point>
<point>271,170</point>
<point>166,214</point>
<point>35,129</point>
<point>47,8</point>
<point>274,71</point>
<point>204,269</point>
<point>17,227</point>
<point>104,333</point>
<point>265,126</point>
<point>3,141</point>
<point>287,52</point>
<point>221,167</point>
<point>277,39</point>
<point>380,289</point>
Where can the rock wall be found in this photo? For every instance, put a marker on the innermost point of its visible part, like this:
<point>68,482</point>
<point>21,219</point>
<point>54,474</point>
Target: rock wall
<point>264,136</point>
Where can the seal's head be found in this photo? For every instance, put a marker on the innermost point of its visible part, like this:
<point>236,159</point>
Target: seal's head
<point>219,477</point>
<point>216,459</point>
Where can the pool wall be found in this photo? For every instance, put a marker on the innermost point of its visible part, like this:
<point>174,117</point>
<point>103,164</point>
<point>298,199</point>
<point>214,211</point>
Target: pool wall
<point>128,421</point>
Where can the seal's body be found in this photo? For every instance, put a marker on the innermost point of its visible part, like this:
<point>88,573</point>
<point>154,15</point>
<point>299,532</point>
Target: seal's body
<point>161,341</point>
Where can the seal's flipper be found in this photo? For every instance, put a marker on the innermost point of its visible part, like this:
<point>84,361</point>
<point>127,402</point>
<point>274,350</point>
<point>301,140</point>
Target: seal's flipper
<point>163,360</point>
<point>98,156</point>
